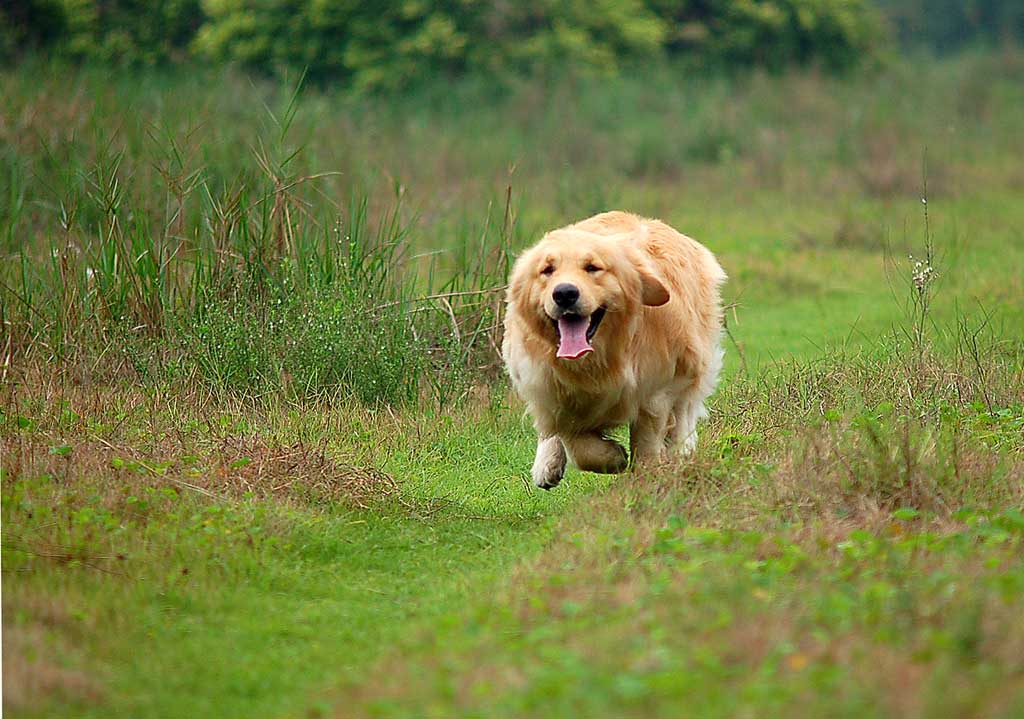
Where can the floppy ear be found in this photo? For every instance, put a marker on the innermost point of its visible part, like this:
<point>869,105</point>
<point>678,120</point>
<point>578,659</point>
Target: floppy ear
<point>519,280</point>
<point>653,292</point>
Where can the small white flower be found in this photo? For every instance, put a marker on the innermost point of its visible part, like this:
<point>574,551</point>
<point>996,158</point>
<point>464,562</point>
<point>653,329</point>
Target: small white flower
<point>922,275</point>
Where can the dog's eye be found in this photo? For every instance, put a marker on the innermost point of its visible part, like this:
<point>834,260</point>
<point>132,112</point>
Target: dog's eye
<point>550,269</point>
<point>591,267</point>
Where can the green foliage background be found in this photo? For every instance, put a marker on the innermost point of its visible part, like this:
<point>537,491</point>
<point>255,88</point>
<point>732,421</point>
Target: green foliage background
<point>385,46</point>
<point>375,46</point>
<point>950,25</point>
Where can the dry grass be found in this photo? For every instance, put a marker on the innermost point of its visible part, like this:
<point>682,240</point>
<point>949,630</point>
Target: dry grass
<point>856,474</point>
<point>248,466</point>
<point>231,468</point>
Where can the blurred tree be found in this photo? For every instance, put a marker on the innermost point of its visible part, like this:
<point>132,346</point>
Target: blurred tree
<point>368,44</point>
<point>398,44</point>
<point>522,37</point>
<point>128,32</point>
<point>30,24</point>
<point>772,33</point>
<point>385,47</point>
<point>374,46</point>
<point>949,25</point>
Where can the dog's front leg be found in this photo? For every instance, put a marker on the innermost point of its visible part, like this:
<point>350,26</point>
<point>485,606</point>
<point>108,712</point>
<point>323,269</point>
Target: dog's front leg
<point>549,464</point>
<point>594,453</point>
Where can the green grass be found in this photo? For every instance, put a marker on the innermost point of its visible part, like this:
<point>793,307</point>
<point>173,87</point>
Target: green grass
<point>723,623</point>
<point>866,564</point>
<point>258,459</point>
<point>251,601</point>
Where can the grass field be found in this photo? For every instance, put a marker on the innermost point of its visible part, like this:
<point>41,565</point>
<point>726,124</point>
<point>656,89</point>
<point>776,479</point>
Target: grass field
<point>259,460</point>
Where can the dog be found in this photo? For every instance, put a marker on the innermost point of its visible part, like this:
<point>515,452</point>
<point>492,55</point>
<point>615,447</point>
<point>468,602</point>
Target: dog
<point>613,320</point>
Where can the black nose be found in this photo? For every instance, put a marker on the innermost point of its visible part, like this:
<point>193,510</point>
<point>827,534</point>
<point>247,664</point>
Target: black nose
<point>565,295</point>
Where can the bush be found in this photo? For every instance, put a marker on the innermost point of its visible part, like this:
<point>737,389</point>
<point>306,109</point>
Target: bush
<point>949,25</point>
<point>358,42</point>
<point>333,340</point>
<point>30,24</point>
<point>840,34</point>
<point>228,347</point>
<point>394,45</point>
<point>118,32</point>
<point>548,35</point>
<point>408,42</point>
<point>411,41</point>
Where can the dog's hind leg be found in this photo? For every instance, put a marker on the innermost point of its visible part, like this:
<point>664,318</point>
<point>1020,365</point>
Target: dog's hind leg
<point>549,464</point>
<point>593,453</point>
<point>688,410</point>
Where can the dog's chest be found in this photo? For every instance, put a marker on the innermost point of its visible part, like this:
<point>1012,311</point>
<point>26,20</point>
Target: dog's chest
<point>588,410</point>
<point>576,404</point>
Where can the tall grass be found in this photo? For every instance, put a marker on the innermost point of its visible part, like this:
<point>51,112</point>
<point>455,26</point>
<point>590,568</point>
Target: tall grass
<point>162,265</point>
<point>206,226</point>
<point>268,293</point>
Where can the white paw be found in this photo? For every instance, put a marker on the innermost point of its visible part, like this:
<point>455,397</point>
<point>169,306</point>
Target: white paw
<point>688,445</point>
<point>549,465</point>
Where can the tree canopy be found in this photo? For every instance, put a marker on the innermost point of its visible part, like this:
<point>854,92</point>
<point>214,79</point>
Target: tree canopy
<point>394,44</point>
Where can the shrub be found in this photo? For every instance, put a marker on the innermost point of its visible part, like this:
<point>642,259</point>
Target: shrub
<point>840,34</point>
<point>120,32</point>
<point>362,43</point>
<point>228,347</point>
<point>374,47</point>
<point>333,340</point>
<point>949,25</point>
<point>547,35</point>
<point>30,24</point>
<point>408,42</point>
<point>403,43</point>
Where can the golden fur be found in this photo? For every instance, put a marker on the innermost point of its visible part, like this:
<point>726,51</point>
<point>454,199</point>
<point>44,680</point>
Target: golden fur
<point>656,353</point>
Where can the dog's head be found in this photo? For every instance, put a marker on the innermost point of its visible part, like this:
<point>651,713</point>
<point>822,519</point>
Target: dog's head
<point>578,289</point>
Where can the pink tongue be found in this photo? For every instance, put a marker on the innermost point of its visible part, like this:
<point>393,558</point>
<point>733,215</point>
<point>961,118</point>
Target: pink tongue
<point>573,337</point>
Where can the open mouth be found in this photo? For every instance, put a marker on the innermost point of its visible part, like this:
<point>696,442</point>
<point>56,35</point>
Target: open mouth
<point>575,333</point>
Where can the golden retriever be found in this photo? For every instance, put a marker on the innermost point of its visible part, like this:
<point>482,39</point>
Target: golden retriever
<point>613,320</point>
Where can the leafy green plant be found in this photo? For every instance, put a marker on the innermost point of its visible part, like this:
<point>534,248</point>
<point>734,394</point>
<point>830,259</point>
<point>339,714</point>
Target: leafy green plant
<point>405,44</point>
<point>128,33</point>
